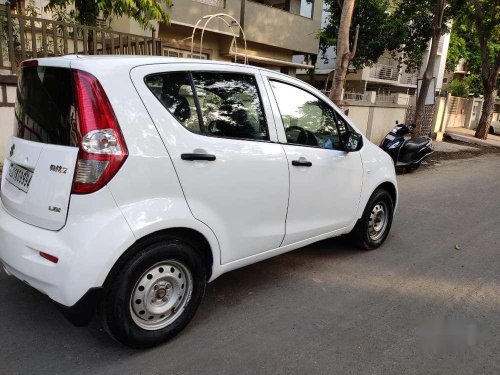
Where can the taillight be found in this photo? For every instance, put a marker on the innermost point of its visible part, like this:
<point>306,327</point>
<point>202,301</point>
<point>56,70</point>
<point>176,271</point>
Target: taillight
<point>29,64</point>
<point>102,147</point>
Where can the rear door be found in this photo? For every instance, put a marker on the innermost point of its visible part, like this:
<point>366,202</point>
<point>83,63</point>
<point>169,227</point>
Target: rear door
<point>215,123</point>
<point>38,170</point>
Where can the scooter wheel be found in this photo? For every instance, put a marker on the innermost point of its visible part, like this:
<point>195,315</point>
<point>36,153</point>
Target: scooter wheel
<point>412,167</point>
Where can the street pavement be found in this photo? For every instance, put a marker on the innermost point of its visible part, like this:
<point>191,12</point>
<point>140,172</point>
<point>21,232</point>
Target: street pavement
<point>427,302</point>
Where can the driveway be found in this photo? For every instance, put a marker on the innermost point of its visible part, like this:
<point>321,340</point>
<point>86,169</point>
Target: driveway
<point>427,302</point>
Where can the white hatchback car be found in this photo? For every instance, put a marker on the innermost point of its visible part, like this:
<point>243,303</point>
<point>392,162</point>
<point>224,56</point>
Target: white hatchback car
<point>131,182</point>
<point>495,127</point>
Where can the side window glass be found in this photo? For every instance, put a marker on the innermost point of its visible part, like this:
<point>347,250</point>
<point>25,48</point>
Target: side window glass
<point>342,125</point>
<point>307,120</point>
<point>174,91</point>
<point>230,105</point>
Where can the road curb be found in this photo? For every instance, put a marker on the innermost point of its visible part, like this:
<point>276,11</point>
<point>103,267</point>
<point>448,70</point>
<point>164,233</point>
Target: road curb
<point>471,140</point>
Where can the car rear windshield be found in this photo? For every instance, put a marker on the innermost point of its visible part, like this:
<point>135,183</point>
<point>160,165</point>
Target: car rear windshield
<point>45,107</point>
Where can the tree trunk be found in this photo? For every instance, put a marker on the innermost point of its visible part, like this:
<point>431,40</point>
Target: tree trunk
<point>490,94</point>
<point>429,69</point>
<point>343,54</point>
<point>312,72</point>
<point>489,75</point>
<point>87,13</point>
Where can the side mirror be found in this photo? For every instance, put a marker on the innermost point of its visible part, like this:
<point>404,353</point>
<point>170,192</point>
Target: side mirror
<point>352,141</point>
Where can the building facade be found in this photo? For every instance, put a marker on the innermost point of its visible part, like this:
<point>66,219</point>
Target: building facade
<point>275,30</point>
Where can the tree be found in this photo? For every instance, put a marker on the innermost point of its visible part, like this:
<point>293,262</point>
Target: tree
<point>374,20</point>
<point>475,37</point>
<point>437,27</point>
<point>417,23</point>
<point>344,54</point>
<point>487,23</point>
<point>402,27</point>
<point>142,11</point>
<point>371,18</point>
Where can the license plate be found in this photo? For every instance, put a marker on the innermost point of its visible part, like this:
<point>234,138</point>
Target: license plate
<point>20,177</point>
<point>389,137</point>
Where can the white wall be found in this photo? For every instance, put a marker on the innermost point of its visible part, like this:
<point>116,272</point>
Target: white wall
<point>375,120</point>
<point>6,129</point>
<point>6,118</point>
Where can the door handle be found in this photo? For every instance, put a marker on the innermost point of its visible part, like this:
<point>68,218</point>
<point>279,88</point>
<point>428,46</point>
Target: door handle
<point>190,157</point>
<point>302,163</point>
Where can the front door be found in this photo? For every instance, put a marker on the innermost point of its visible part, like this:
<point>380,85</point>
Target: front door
<point>223,146</point>
<point>325,181</point>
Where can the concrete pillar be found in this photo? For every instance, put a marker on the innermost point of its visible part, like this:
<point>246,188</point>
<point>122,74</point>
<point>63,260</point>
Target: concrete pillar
<point>369,122</point>
<point>372,96</point>
<point>441,117</point>
<point>469,105</point>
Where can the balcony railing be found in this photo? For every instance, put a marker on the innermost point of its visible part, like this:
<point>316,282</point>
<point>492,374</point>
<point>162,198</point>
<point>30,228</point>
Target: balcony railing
<point>385,72</point>
<point>356,96</point>
<point>23,37</point>
<point>385,98</point>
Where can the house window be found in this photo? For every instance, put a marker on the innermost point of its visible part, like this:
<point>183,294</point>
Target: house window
<point>174,52</point>
<point>213,3</point>
<point>304,8</point>
<point>203,56</point>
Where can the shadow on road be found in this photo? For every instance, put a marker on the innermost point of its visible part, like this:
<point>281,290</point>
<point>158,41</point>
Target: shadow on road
<point>44,325</point>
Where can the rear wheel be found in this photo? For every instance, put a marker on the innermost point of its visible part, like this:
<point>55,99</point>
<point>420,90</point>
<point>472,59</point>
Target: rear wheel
<point>372,229</point>
<point>155,295</point>
<point>413,167</point>
<point>491,130</point>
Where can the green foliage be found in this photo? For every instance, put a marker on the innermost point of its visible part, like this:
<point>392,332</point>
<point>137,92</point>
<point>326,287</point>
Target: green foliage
<point>459,88</point>
<point>374,33</point>
<point>402,27</point>
<point>412,28</point>
<point>464,42</point>
<point>475,85</point>
<point>142,11</point>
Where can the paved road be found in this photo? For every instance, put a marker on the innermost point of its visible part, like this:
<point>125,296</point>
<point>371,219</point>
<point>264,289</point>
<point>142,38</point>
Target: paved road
<point>415,306</point>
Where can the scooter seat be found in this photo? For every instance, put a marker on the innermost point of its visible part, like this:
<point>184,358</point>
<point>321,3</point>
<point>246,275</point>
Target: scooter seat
<point>416,143</point>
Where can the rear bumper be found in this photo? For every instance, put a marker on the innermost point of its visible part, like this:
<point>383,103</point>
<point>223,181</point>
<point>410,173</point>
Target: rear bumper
<point>81,313</point>
<point>94,237</point>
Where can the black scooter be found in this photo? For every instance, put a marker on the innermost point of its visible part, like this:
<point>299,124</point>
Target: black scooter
<point>407,153</point>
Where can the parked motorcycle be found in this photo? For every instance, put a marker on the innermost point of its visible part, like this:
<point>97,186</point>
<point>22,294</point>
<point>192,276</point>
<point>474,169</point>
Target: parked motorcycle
<point>406,152</point>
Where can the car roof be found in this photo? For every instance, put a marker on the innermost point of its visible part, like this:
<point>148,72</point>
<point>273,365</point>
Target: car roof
<point>135,60</point>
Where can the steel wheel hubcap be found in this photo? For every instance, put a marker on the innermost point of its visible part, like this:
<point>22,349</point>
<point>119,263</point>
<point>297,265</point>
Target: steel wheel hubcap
<point>160,295</point>
<point>378,221</point>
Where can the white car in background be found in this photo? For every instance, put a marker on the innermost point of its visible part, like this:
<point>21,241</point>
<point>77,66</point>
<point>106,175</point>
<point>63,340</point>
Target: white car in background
<point>495,127</point>
<point>132,182</point>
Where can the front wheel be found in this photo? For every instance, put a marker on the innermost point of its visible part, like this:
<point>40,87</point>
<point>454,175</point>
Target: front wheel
<point>372,228</point>
<point>155,295</point>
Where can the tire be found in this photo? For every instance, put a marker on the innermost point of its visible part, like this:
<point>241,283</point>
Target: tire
<point>413,167</point>
<point>155,294</point>
<point>491,130</point>
<point>363,233</point>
